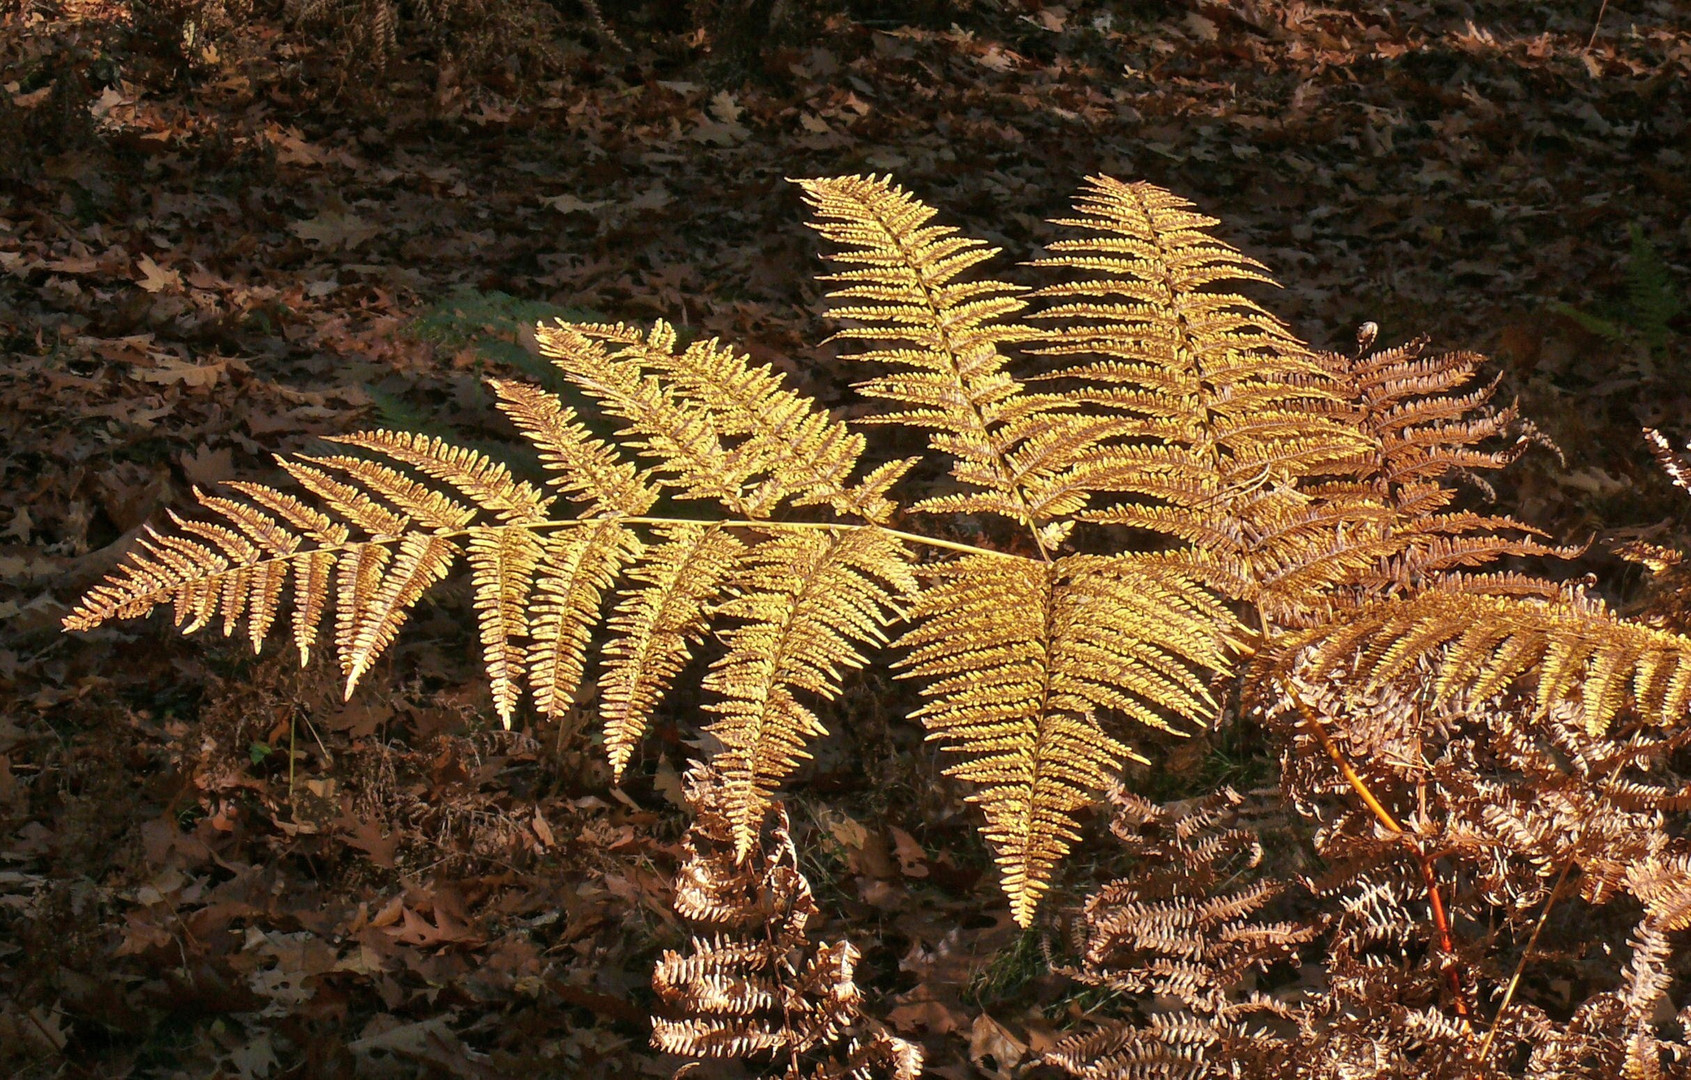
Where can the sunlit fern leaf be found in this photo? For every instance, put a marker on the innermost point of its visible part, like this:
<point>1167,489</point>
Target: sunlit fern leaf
<point>804,601</point>
<point>347,500</point>
<point>268,563</point>
<point>1277,550</point>
<point>312,569</point>
<point>422,560</point>
<point>662,612</point>
<point>359,573</point>
<point>681,439</point>
<point>1481,643</point>
<point>1227,401</point>
<point>503,560</point>
<point>1018,658</point>
<point>584,467</point>
<point>484,481</point>
<point>946,337</point>
<point>1663,886</point>
<point>793,449</point>
<point>415,501</point>
<point>580,565</point>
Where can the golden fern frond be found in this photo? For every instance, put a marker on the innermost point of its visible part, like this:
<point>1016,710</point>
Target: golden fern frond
<point>373,598</point>
<point>1020,656</point>
<point>945,338</point>
<point>1225,401</point>
<point>1480,641</point>
<point>311,569</point>
<point>1283,553</point>
<point>799,452</point>
<point>577,568</point>
<point>585,467</point>
<point>235,571</point>
<point>1667,599</point>
<point>416,502</point>
<point>503,560</point>
<point>348,500</point>
<point>654,624</point>
<point>484,481</point>
<point>1227,416</point>
<point>805,598</point>
<point>690,452</point>
<point>381,602</point>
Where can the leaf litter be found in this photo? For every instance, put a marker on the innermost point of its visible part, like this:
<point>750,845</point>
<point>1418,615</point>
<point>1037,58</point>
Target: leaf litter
<point>233,870</point>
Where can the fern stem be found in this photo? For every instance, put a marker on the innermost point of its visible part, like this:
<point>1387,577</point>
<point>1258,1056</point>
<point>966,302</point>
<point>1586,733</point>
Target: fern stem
<point>732,523</point>
<point>1429,874</point>
<point>909,537</point>
<point>1357,784</point>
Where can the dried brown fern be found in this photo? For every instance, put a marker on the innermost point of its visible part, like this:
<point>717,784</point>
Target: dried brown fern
<point>751,984</point>
<point>1667,603</point>
<point>1178,941</point>
<point>1445,733</point>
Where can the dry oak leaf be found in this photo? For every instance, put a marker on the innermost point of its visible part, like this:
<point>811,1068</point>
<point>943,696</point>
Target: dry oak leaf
<point>335,230</point>
<point>155,278</point>
<point>167,370</point>
<point>990,1039</point>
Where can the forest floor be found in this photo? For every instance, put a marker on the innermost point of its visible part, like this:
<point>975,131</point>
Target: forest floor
<point>211,865</point>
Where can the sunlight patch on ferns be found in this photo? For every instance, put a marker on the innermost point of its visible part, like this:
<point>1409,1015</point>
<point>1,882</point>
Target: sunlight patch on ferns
<point>1305,488</point>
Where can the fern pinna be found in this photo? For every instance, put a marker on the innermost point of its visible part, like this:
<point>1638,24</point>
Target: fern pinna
<point>1158,398</point>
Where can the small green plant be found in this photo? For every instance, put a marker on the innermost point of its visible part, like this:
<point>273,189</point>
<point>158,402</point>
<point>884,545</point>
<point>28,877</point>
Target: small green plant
<point>496,325</point>
<point>1653,300</point>
<point>498,329</point>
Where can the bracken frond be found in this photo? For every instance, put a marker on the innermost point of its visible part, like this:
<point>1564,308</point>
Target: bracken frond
<point>502,565</point>
<point>945,338</point>
<point>799,453</point>
<point>804,602</point>
<point>487,483</point>
<point>1676,463</point>
<point>1309,492</point>
<point>578,568</point>
<point>1020,657</point>
<point>583,466</point>
<point>1481,642</point>
<point>1234,401</point>
<point>1421,429</point>
<point>1224,412</point>
<point>751,984</point>
<point>689,451</point>
<point>658,618</point>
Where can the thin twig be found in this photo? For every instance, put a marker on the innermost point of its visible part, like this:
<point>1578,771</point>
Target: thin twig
<point>1526,954</point>
<point>1598,25</point>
